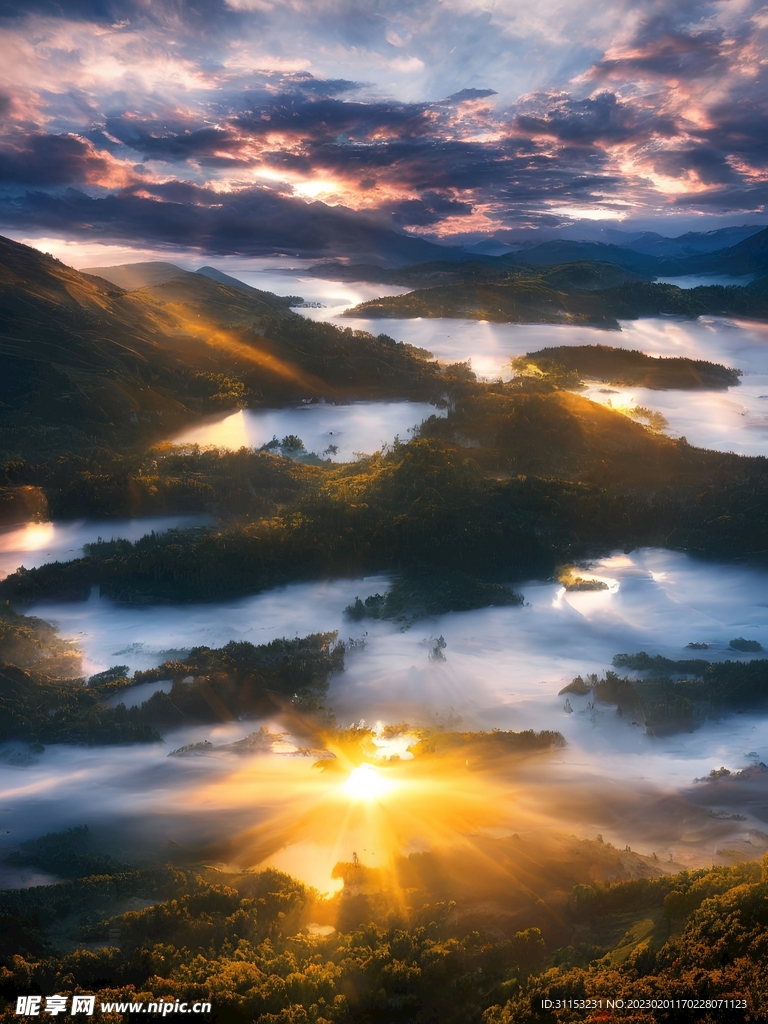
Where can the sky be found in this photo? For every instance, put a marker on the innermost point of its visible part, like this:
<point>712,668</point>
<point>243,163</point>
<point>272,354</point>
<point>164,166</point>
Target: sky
<point>314,127</point>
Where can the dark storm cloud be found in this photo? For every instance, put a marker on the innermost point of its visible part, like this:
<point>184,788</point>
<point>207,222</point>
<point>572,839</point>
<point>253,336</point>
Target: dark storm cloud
<point>709,164</point>
<point>49,160</point>
<point>175,143</point>
<point>676,40</point>
<point>742,130</point>
<point>545,181</point>
<point>298,104</point>
<point>430,209</point>
<point>305,131</point>
<point>470,94</point>
<point>432,167</point>
<point>722,145</point>
<point>672,54</point>
<point>516,174</point>
<point>734,199</point>
<point>326,116</point>
<point>301,131</point>
<point>307,83</point>
<point>554,152</point>
<point>602,118</point>
<point>252,222</point>
<point>425,163</point>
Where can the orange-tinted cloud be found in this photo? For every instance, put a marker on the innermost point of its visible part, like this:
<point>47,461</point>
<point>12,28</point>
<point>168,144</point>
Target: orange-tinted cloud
<point>165,103</point>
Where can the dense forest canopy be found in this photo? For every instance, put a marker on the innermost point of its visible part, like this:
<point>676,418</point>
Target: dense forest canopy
<point>261,946</point>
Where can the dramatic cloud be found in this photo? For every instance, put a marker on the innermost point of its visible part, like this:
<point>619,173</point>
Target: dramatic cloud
<point>600,119</point>
<point>252,221</point>
<point>38,159</point>
<point>252,126</point>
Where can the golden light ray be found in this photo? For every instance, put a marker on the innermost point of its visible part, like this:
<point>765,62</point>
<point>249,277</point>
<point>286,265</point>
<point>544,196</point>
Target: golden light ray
<point>228,341</point>
<point>376,812</point>
<point>187,321</point>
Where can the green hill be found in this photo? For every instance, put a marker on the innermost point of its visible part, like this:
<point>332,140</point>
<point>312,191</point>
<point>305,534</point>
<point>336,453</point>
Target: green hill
<point>625,367</point>
<point>567,294</point>
<point>580,274</point>
<point>517,479</point>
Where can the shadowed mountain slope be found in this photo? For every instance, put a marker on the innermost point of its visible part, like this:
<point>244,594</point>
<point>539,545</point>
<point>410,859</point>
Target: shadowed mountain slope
<point>692,243</point>
<point>233,282</point>
<point>583,275</point>
<point>85,361</point>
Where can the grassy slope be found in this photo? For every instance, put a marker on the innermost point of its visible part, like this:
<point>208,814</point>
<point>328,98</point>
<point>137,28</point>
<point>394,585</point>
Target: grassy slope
<point>74,350</point>
<point>556,433</point>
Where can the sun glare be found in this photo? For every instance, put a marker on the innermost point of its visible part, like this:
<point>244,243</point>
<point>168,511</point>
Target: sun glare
<point>366,783</point>
<point>31,537</point>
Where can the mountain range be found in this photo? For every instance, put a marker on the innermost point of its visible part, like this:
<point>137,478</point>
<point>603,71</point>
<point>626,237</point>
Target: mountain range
<point>658,258</point>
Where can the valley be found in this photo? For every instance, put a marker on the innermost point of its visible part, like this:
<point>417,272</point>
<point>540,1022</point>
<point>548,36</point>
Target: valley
<point>274,627</point>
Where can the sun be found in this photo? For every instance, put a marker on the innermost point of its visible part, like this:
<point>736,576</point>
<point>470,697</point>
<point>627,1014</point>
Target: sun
<point>366,783</point>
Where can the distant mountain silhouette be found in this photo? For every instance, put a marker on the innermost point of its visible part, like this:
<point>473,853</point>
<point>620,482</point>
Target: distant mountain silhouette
<point>132,276</point>
<point>549,254</point>
<point>692,243</point>
<point>137,275</point>
<point>749,256</point>
<point>232,282</point>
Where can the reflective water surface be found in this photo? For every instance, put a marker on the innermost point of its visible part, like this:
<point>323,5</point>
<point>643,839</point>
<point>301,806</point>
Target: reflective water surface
<point>33,544</point>
<point>336,432</point>
<point>731,420</point>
